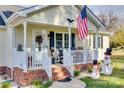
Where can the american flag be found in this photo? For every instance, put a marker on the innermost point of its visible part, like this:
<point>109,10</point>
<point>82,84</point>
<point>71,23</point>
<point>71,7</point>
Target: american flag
<point>82,24</point>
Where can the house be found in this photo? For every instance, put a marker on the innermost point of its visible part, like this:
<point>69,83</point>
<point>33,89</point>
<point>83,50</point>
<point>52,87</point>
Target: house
<point>26,36</point>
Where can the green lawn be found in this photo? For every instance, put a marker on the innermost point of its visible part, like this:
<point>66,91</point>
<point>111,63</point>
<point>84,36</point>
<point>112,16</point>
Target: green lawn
<point>116,80</point>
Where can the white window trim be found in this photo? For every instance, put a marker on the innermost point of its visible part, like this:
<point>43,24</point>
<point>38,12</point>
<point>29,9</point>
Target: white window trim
<point>63,36</point>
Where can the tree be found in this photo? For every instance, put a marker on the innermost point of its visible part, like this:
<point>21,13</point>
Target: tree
<point>118,38</point>
<point>110,20</point>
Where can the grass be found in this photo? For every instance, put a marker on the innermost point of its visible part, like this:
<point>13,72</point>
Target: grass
<point>116,80</point>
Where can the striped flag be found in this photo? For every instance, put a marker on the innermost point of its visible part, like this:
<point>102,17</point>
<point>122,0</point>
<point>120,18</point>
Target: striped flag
<point>82,24</point>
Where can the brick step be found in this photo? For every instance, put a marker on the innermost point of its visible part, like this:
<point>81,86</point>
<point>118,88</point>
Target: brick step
<point>59,73</point>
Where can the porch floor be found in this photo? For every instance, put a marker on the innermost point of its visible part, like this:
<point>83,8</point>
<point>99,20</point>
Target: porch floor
<point>57,65</point>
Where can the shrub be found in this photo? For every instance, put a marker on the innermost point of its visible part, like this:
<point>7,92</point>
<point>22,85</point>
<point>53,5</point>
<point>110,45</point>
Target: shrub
<point>37,83</point>
<point>76,73</point>
<point>47,84</point>
<point>89,68</point>
<point>6,85</point>
<point>100,62</point>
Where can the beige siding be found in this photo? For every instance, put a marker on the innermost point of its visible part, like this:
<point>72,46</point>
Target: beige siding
<point>31,27</point>
<point>57,15</point>
<point>3,47</point>
<point>106,42</point>
<point>20,35</point>
<point>9,49</point>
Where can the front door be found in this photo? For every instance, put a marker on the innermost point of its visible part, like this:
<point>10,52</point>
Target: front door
<point>37,41</point>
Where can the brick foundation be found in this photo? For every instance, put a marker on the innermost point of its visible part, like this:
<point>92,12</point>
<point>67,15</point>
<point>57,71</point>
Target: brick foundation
<point>26,78</point>
<point>5,70</point>
<point>82,67</point>
<point>58,72</point>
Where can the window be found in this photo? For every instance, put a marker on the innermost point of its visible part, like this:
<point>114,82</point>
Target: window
<point>58,40</point>
<point>89,40</point>
<point>66,37</point>
<point>62,40</point>
<point>99,42</point>
<point>73,40</point>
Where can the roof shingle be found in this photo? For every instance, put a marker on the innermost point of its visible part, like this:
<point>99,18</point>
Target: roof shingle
<point>7,13</point>
<point>2,21</point>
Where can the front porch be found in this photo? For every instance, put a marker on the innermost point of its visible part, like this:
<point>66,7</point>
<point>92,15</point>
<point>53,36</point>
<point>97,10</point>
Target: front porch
<point>27,52</point>
<point>31,57</point>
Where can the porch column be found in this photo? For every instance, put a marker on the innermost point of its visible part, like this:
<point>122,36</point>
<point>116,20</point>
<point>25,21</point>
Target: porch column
<point>69,32</point>
<point>25,59</point>
<point>25,29</point>
<point>85,45</point>
<point>14,38</point>
<point>96,51</point>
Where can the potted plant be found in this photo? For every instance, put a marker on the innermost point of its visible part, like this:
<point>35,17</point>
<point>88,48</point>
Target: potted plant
<point>19,47</point>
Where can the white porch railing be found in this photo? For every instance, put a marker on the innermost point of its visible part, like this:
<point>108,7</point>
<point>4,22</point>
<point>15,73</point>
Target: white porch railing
<point>27,60</point>
<point>19,59</point>
<point>78,56</point>
<point>68,61</point>
<point>75,57</point>
<point>47,63</point>
<point>32,60</point>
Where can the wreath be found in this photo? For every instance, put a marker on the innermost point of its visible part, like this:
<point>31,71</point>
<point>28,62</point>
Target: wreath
<point>39,39</point>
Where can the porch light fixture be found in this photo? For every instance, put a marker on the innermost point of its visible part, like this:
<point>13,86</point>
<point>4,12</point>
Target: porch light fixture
<point>70,20</point>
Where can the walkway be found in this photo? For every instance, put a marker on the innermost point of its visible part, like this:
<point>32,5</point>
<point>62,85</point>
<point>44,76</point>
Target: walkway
<point>74,83</point>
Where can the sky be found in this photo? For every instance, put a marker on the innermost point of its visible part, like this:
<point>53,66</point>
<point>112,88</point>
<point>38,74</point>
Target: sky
<point>117,9</point>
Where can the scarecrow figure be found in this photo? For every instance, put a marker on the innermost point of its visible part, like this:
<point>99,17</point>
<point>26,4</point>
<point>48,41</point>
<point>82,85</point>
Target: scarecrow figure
<point>106,66</point>
<point>95,71</point>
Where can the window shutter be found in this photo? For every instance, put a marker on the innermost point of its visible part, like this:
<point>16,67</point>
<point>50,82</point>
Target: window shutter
<point>101,41</point>
<point>94,43</point>
<point>51,39</point>
<point>73,40</point>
